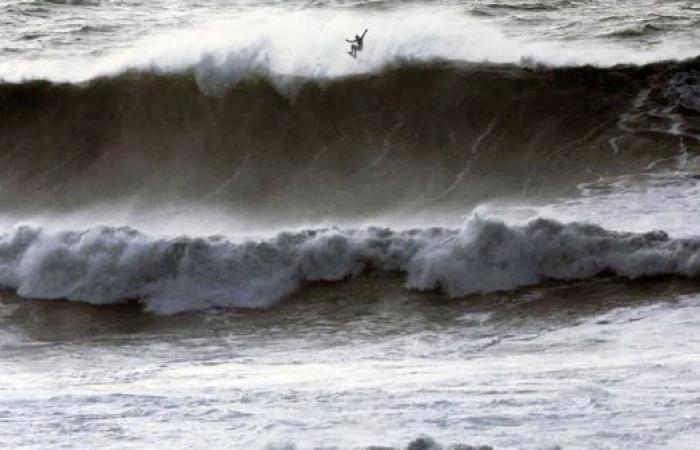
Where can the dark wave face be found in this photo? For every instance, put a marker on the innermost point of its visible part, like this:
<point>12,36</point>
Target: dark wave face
<point>412,137</point>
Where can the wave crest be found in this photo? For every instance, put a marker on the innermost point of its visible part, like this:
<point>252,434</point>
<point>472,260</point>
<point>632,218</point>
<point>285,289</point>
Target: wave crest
<point>310,43</point>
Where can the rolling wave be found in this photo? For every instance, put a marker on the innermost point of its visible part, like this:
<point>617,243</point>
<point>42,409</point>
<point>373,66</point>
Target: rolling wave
<point>108,265</point>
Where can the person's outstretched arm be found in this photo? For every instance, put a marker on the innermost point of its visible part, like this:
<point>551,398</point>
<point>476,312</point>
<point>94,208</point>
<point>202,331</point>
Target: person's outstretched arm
<point>363,34</point>
<point>349,41</point>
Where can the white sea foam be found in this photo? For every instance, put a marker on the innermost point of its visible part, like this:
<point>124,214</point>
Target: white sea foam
<point>310,43</point>
<point>106,265</point>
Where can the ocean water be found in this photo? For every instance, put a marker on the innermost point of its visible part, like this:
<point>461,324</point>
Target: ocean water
<point>218,230</point>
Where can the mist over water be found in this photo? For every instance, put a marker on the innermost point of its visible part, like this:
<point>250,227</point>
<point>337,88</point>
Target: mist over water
<point>217,229</point>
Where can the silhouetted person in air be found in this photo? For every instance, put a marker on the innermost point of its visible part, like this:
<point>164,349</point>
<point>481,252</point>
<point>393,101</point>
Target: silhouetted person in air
<point>356,44</point>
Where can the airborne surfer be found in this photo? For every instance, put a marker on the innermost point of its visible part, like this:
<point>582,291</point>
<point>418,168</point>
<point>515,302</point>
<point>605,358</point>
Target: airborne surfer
<point>357,44</point>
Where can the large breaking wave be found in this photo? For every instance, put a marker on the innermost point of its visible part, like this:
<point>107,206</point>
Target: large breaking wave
<point>108,265</point>
<point>411,136</point>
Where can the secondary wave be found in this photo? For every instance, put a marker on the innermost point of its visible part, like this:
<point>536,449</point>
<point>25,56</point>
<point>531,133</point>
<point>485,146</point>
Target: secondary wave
<point>108,265</point>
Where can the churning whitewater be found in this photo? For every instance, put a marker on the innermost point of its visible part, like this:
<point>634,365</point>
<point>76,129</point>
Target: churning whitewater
<point>107,265</point>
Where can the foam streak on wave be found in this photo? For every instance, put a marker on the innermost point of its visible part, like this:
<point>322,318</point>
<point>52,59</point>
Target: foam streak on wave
<point>107,265</point>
